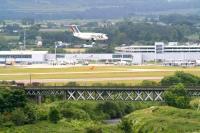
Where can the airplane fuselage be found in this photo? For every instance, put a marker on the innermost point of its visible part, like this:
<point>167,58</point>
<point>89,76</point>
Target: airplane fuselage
<point>91,36</point>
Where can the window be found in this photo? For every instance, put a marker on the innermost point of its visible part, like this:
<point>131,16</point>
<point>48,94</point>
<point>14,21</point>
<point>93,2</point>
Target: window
<point>117,56</point>
<point>127,56</point>
<point>15,56</point>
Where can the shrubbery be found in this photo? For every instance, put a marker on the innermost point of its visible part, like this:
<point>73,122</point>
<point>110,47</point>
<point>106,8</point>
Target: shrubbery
<point>126,125</point>
<point>30,112</point>
<point>74,113</point>
<point>115,109</point>
<point>186,79</point>
<point>18,117</point>
<point>11,99</point>
<point>54,115</point>
<point>195,104</point>
<point>94,130</point>
<point>177,96</point>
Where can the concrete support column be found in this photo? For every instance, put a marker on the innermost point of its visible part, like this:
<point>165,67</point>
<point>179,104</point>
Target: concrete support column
<point>65,96</point>
<point>39,99</point>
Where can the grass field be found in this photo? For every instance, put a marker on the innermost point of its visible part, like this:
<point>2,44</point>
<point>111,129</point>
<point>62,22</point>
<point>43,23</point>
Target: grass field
<point>91,74</point>
<point>163,119</point>
<point>74,126</point>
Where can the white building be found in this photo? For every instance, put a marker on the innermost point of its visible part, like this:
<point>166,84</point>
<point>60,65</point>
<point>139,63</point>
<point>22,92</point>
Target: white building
<point>136,59</point>
<point>23,56</point>
<point>162,52</point>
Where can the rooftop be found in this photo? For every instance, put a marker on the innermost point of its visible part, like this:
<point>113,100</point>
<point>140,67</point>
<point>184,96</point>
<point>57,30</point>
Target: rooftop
<point>23,52</point>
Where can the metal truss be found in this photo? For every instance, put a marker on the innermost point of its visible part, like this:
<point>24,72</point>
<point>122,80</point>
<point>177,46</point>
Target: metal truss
<point>122,94</point>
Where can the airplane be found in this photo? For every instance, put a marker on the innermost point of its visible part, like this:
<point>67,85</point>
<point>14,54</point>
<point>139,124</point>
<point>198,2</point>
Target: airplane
<point>87,35</point>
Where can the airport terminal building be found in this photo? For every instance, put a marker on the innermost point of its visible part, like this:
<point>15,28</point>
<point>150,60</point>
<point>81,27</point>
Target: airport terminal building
<point>170,53</point>
<point>12,57</point>
<point>163,52</point>
<point>42,57</point>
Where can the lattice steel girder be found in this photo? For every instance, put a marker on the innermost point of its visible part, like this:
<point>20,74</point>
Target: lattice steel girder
<point>81,95</point>
<point>158,95</point>
<point>90,95</point>
<point>139,96</point>
<point>99,95</point>
<point>123,94</point>
<point>71,95</point>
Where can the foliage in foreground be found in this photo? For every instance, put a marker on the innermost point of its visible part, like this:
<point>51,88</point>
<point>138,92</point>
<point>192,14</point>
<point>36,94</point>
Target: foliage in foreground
<point>177,96</point>
<point>64,126</point>
<point>162,119</point>
<point>54,115</point>
<point>186,79</point>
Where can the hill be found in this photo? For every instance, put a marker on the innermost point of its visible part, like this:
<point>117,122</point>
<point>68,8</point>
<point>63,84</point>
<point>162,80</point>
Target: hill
<point>51,9</point>
<point>162,120</point>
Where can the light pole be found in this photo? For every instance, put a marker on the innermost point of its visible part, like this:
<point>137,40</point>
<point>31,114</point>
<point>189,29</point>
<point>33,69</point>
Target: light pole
<point>55,51</point>
<point>24,38</point>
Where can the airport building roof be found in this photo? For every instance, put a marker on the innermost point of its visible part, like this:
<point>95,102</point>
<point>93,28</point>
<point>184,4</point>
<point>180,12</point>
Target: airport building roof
<point>22,52</point>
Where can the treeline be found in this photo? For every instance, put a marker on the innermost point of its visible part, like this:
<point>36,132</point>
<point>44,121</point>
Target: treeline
<point>177,19</point>
<point>125,32</point>
<point>129,32</point>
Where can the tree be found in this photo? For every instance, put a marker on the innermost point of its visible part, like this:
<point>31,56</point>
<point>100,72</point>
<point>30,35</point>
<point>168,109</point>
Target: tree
<point>31,114</point>
<point>11,99</point>
<point>112,109</point>
<point>54,115</point>
<point>186,79</point>
<point>18,117</point>
<point>177,96</point>
<point>170,80</point>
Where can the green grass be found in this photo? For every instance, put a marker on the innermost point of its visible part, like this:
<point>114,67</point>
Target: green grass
<point>63,126</point>
<point>85,72</point>
<point>164,119</point>
<point>9,37</point>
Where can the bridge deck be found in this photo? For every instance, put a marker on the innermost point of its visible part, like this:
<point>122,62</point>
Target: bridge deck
<point>106,93</point>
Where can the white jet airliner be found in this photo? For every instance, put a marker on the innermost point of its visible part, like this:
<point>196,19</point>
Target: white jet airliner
<point>88,36</point>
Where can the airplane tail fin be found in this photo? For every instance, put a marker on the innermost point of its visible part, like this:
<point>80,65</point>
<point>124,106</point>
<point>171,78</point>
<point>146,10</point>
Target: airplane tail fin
<point>74,29</point>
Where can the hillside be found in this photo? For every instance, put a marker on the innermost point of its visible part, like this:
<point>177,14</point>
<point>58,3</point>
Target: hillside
<point>163,120</point>
<point>92,8</point>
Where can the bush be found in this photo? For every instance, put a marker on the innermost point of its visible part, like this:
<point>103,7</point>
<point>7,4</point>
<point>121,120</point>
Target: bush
<point>18,117</point>
<point>74,113</point>
<point>54,115</point>
<point>1,119</point>
<point>31,114</point>
<point>72,84</point>
<point>112,109</point>
<point>11,99</point>
<point>181,77</point>
<point>126,125</point>
<point>188,79</point>
<point>195,103</point>
<point>170,80</point>
<point>94,130</point>
<point>177,96</point>
<point>42,114</point>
